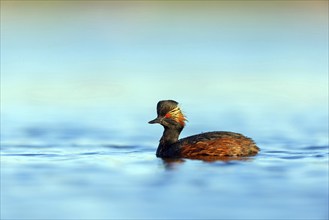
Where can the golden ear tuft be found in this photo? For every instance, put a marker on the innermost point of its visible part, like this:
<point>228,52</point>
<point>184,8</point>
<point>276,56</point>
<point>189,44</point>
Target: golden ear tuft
<point>177,115</point>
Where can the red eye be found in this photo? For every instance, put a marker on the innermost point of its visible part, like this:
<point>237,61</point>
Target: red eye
<point>167,115</point>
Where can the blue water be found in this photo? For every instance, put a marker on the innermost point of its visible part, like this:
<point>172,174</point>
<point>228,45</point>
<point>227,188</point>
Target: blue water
<point>81,79</point>
<point>59,170</point>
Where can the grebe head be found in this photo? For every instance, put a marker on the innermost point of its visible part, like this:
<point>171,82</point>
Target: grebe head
<point>169,115</point>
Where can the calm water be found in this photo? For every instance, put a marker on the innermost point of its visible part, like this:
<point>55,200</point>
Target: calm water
<point>77,171</point>
<point>80,80</point>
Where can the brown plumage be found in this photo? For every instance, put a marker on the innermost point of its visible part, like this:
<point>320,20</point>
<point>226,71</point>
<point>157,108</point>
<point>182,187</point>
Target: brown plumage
<point>218,144</point>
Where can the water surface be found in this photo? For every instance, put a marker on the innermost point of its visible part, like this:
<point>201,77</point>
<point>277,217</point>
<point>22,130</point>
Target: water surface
<point>77,172</point>
<point>81,79</point>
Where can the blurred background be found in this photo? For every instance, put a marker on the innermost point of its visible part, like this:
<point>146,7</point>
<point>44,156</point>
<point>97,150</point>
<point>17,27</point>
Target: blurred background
<point>81,79</point>
<point>107,63</point>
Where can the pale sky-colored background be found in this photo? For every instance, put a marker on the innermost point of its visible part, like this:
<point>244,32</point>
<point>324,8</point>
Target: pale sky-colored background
<point>123,56</point>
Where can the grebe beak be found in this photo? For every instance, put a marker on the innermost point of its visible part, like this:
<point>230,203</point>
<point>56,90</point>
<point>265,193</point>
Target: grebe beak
<point>157,120</point>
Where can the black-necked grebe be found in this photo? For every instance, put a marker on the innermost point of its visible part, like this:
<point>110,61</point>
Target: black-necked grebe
<point>218,144</point>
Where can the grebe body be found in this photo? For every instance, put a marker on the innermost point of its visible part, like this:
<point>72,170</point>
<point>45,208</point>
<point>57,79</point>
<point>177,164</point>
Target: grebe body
<point>217,144</point>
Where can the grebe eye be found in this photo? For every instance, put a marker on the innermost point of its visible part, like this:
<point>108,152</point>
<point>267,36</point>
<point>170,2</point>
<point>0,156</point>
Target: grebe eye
<point>168,115</point>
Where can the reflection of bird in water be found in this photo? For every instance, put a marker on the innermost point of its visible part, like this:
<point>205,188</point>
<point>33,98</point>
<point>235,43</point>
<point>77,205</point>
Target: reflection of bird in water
<point>173,163</point>
<point>209,146</point>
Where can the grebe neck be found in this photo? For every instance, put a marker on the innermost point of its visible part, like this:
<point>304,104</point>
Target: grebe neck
<point>169,137</point>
